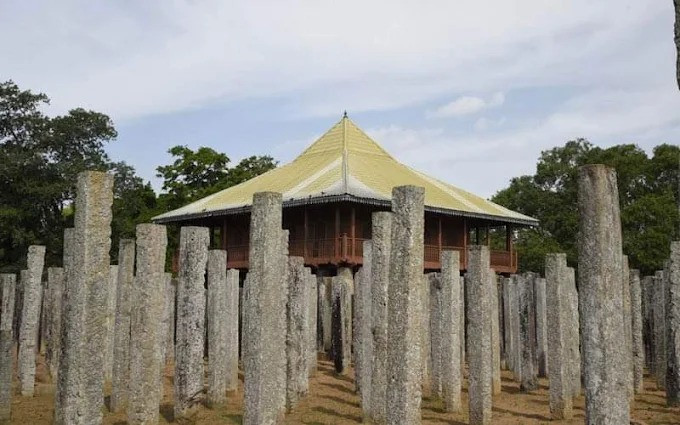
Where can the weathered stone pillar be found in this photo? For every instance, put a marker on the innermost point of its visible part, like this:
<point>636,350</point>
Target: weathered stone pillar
<point>627,326</point>
<point>507,329</point>
<point>600,297</point>
<point>405,306</point>
<point>193,258</point>
<point>18,303</point>
<point>364,337</point>
<point>660,330</point>
<point>541,327</point>
<point>121,336</point>
<point>436,333</point>
<point>514,327</point>
<point>527,332</point>
<point>80,397</point>
<point>463,340</point>
<point>217,327</point>
<point>110,321</point>
<point>55,277</point>
<point>636,328</point>
<point>312,318</point>
<point>148,299</point>
<point>574,333</point>
<point>232,320</point>
<point>425,336</point>
<point>479,332</point>
<point>381,231</point>
<point>341,346</point>
<point>646,288</point>
<point>495,336</point>
<point>7,296</point>
<point>297,311</point>
<point>264,314</point>
<point>557,321</point>
<point>673,327</point>
<point>325,312</point>
<point>451,317</point>
<point>30,319</point>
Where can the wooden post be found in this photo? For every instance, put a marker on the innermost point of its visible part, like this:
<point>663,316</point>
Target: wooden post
<point>353,233</point>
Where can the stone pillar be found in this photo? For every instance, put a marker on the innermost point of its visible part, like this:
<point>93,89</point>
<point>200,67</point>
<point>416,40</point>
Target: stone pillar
<point>479,348</point>
<point>514,323</point>
<point>297,311</point>
<point>79,396</point>
<point>636,328</point>
<point>673,327</point>
<point>232,320</point>
<point>312,318</point>
<point>121,335</point>
<point>381,231</point>
<point>558,320</point>
<point>660,330</point>
<point>574,333</point>
<point>362,329</point>
<point>600,297</point>
<point>451,317</point>
<point>627,326</point>
<point>527,332</point>
<point>55,277</point>
<point>436,333</point>
<point>404,306</point>
<point>341,332</point>
<point>495,336</point>
<point>217,327</point>
<point>148,298</point>
<point>189,344</point>
<point>507,328</point>
<point>325,312</point>
<point>110,322</point>
<point>30,319</point>
<point>7,296</point>
<point>264,314</point>
<point>463,340</point>
<point>647,287</point>
<point>541,328</point>
<point>425,336</point>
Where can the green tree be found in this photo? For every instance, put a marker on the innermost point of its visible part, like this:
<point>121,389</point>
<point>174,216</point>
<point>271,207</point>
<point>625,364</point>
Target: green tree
<point>647,192</point>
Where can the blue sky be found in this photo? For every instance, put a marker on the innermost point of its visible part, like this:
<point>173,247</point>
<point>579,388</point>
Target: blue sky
<point>468,91</point>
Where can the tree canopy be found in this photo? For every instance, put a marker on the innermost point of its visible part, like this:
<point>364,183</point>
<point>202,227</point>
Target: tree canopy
<point>648,192</point>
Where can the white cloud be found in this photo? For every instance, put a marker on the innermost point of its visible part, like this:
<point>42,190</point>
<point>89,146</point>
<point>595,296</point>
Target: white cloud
<point>466,105</point>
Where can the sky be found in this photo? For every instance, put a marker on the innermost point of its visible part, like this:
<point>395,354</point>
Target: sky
<point>470,92</point>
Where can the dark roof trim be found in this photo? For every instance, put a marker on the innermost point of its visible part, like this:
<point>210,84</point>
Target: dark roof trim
<point>346,198</point>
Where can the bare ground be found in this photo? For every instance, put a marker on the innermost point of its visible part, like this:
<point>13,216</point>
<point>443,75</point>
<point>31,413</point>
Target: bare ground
<point>332,400</point>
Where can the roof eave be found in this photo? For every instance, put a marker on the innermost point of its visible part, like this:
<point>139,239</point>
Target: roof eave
<point>344,198</point>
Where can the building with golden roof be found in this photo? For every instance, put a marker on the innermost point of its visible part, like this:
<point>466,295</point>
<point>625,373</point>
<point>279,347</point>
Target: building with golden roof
<point>329,192</point>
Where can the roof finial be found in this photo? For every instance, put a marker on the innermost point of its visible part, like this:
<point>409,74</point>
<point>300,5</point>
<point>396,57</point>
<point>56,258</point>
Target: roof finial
<point>344,114</point>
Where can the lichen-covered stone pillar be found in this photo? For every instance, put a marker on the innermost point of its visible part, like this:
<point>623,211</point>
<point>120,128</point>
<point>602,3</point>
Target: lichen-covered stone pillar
<point>357,320</point>
<point>217,327</point>
<point>479,333</point>
<point>189,344</point>
<point>341,346</point>
<point>463,340</point>
<point>7,296</point>
<point>381,231</point>
<point>601,305</point>
<point>527,332</point>
<point>627,326</point>
<point>232,320</point>
<point>146,336</point>
<point>673,327</point>
<point>405,305</point>
<point>451,307</point>
<point>55,277</point>
<point>659,300</point>
<point>30,319</point>
<point>436,333</point>
<point>110,322</point>
<point>264,314</point>
<point>297,335</point>
<point>558,320</point>
<point>541,327</point>
<point>574,333</point>
<point>325,313</point>
<point>514,327</point>
<point>495,336</point>
<point>646,288</point>
<point>364,337</point>
<point>636,328</point>
<point>80,397</point>
<point>312,318</point>
<point>425,336</point>
<point>507,329</point>
<point>121,336</point>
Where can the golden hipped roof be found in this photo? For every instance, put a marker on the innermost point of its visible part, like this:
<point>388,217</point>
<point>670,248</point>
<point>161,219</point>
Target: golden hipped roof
<point>345,165</point>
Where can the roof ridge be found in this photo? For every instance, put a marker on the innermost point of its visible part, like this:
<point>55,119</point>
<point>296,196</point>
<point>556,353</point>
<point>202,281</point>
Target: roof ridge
<point>345,165</point>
